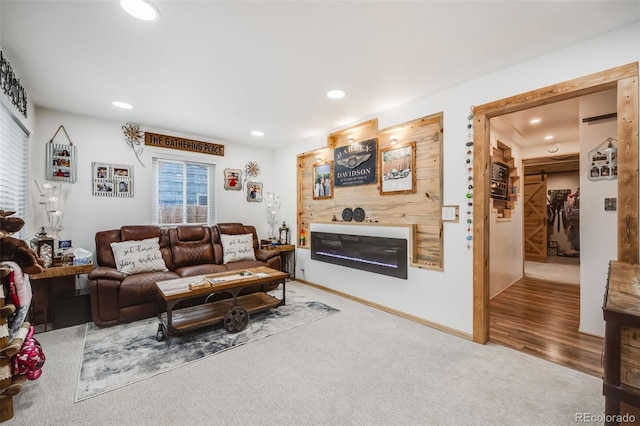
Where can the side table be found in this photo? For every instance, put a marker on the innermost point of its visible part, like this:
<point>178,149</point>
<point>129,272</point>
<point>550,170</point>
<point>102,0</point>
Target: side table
<point>55,281</point>
<point>286,252</point>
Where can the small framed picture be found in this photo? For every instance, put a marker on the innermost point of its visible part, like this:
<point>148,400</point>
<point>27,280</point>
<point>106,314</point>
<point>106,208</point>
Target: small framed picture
<point>322,182</point>
<point>123,188</point>
<point>120,171</point>
<point>64,244</point>
<point>61,162</point>
<point>398,169</point>
<point>254,192</point>
<point>233,179</point>
<point>103,188</point>
<point>101,171</point>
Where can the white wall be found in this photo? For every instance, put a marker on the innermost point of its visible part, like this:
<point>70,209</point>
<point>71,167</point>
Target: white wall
<point>447,297</point>
<point>506,235</point>
<point>598,228</point>
<point>98,140</point>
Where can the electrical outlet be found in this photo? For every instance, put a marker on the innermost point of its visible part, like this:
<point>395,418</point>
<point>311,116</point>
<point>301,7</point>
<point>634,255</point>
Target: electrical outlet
<point>302,270</point>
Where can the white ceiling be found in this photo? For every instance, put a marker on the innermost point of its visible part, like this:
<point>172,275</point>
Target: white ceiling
<point>560,120</point>
<point>221,69</point>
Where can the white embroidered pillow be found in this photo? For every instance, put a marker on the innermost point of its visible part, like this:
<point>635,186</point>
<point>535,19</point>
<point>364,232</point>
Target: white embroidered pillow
<point>134,257</point>
<point>237,247</point>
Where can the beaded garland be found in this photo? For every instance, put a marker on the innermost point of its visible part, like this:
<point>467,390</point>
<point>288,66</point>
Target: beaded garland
<point>469,162</point>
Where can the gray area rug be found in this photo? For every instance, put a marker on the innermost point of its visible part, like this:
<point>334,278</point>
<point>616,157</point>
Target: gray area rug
<point>117,356</point>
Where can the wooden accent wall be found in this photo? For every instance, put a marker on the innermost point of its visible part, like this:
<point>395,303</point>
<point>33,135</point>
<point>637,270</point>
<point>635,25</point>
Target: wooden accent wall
<point>421,208</point>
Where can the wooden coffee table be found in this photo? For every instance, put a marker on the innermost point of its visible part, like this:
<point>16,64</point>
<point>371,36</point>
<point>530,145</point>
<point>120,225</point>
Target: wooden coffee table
<point>233,313</point>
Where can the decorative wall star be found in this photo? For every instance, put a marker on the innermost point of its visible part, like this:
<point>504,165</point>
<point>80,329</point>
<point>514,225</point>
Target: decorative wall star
<point>133,136</point>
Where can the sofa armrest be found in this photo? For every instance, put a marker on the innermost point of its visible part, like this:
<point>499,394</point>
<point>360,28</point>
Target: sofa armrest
<point>106,273</point>
<point>264,255</point>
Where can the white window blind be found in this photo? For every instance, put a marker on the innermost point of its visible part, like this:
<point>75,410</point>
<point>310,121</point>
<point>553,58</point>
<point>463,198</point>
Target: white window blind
<point>184,192</point>
<point>14,166</point>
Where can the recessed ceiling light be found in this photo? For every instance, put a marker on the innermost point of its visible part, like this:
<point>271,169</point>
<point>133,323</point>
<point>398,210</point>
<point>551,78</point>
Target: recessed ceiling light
<point>122,105</point>
<point>535,121</point>
<point>140,9</point>
<point>548,138</point>
<point>257,133</point>
<point>336,93</point>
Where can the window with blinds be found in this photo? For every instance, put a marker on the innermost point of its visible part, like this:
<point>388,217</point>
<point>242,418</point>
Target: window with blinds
<point>14,166</point>
<point>184,192</point>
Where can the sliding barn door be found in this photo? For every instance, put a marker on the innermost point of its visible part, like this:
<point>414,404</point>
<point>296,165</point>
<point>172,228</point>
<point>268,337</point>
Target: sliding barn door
<point>535,218</point>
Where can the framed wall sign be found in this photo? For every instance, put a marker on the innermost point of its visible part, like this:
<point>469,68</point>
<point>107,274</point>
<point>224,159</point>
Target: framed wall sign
<point>398,169</point>
<point>355,163</point>
<point>603,162</point>
<point>112,180</point>
<point>322,180</point>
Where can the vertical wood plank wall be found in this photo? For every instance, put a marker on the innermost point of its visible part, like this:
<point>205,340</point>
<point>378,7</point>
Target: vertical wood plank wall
<point>421,208</point>
<point>628,169</point>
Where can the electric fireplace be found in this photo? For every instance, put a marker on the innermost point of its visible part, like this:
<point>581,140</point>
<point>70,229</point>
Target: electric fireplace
<point>381,255</point>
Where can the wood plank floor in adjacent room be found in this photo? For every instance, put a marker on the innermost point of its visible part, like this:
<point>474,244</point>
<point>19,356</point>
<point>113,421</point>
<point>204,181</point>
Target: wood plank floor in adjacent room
<point>541,318</point>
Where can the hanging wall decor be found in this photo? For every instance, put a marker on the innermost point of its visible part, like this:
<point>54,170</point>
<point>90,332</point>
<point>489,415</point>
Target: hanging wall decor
<point>112,180</point>
<point>603,161</point>
<point>233,179</point>
<point>355,164</point>
<point>254,192</point>
<point>183,144</point>
<point>469,163</point>
<point>398,169</point>
<point>61,159</point>
<point>322,182</point>
<point>11,87</point>
<point>251,170</point>
<point>133,137</point>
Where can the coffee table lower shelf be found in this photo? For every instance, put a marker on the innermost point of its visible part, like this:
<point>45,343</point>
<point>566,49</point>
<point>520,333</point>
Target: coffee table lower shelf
<point>190,318</point>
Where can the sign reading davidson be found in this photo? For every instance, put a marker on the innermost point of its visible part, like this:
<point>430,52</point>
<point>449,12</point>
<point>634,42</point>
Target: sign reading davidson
<point>164,141</point>
<point>355,164</point>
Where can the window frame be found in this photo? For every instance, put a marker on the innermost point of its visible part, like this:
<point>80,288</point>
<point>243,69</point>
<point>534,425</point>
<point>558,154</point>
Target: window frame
<point>14,166</point>
<point>211,193</point>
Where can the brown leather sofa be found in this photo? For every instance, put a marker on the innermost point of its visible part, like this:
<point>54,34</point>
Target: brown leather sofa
<point>187,250</point>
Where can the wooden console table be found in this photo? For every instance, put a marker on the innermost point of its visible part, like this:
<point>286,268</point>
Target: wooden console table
<point>284,250</point>
<point>52,282</point>
<point>621,308</point>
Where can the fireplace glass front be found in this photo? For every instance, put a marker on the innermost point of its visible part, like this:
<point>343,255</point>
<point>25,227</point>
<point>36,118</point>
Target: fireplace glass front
<point>381,255</point>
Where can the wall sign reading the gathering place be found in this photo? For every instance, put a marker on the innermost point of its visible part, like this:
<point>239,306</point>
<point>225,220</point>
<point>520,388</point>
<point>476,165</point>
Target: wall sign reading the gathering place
<point>164,141</point>
<point>355,164</point>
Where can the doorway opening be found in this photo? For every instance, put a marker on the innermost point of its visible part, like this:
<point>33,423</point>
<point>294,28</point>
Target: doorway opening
<point>551,217</point>
<point>624,81</point>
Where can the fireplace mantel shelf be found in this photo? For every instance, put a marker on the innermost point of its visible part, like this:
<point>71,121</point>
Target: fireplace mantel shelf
<point>341,222</point>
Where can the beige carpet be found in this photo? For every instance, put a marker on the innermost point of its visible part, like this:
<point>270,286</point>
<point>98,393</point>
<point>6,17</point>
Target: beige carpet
<point>565,271</point>
<point>359,367</point>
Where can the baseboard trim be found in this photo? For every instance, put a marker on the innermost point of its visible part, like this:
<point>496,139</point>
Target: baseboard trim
<point>400,314</point>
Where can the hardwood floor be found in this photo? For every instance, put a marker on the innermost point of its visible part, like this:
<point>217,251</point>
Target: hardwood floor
<point>541,318</point>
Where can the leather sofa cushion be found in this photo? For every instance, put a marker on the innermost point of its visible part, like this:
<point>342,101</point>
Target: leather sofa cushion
<point>140,288</point>
<point>191,245</point>
<point>104,254</point>
<point>233,228</point>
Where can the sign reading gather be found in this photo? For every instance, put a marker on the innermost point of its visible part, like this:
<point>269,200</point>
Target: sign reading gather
<point>164,141</point>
